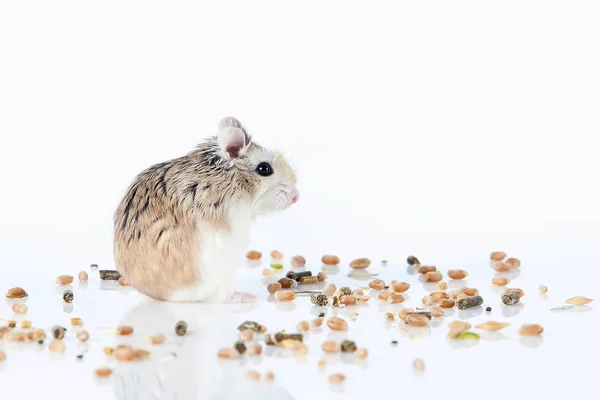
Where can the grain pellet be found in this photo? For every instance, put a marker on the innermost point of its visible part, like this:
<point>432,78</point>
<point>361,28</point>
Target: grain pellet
<point>16,293</point>
<point>418,365</point>
<point>437,312</point>
<point>124,330</point>
<point>253,375</point>
<point>433,277</point>
<point>329,290</point>
<point>395,299</point>
<point>399,287</point>
<point>123,282</point>
<point>349,300</point>
<point>277,255</point>
<point>57,346</point>
<point>412,260</point>
<point>253,255</point>
<point>330,260</point>
<point>377,284</point>
<point>287,283</point>
<point>469,302</point>
<point>500,281</point>
<point>426,268</point>
<point>322,276</point>
<point>319,299</point>
<point>361,354</point>
<point>510,298</point>
<point>531,330</point>
<point>303,326</point>
<point>246,335</point>
<point>337,324</point>
<point>330,346</point>
<point>336,379</point>
<point>124,353</point>
<point>384,294</point>
<point>498,256</point>
<point>543,289</point>
<point>446,303</point>
<point>285,296</point>
<point>360,263</point>
<point>345,291</point>
<point>25,324</point>
<point>348,346</point>
<point>457,274</point>
<point>103,372</point>
<point>316,323</point>
<point>578,300</point>
<point>240,347</point>
<point>270,376</point>
<point>109,275</point>
<point>307,280</point>
<point>297,275</point>
<point>181,328</point>
<point>19,308</point>
<point>416,320</point>
<point>298,261</point>
<point>58,332</point>
<point>274,287</point>
<point>513,262</point>
<point>389,316</point>
<point>254,350</point>
<point>492,326</point>
<point>76,322</point>
<point>64,279</point>
<point>83,276</point>
<point>68,296</point>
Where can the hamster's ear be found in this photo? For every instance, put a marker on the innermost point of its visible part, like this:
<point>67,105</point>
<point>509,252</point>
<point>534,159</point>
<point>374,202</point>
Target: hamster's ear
<point>232,139</point>
<point>230,122</point>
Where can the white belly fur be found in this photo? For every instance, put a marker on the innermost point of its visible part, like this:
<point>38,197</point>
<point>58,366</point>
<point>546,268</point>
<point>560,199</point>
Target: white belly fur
<point>220,253</point>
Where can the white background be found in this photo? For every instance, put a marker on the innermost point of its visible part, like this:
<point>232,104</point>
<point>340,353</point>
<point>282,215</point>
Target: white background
<point>449,129</point>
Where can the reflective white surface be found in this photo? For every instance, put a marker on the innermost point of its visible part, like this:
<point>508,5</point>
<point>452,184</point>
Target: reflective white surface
<point>559,364</point>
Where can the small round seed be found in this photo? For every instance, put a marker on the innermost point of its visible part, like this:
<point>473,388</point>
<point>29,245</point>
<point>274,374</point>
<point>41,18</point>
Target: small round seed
<point>68,296</point>
<point>227,353</point>
<point>330,346</point>
<point>434,276</point>
<point>330,260</point>
<point>57,346</point>
<point>254,255</point>
<point>336,379</point>
<point>240,347</point>
<point>25,325</point>
<point>124,330</point>
<point>418,365</point>
<point>500,281</point>
<point>253,375</point>
<point>246,335</point>
<point>399,287</point>
<point>298,261</point>
<point>277,255</point>
<point>58,332</point>
<point>578,300</point>
<point>360,263</point>
<point>531,330</point>
<point>108,351</point>
<point>460,297</point>
<point>76,322</point>
<point>384,294</point>
<point>83,276</point>
<point>457,274</point>
<point>273,287</point>
<point>156,339</point>
<point>285,296</point>
<point>124,353</point>
<point>437,312</point>
<point>16,293</point>
<point>329,290</point>
<point>64,279</point>
<point>303,326</point>
<point>412,260</point>
<point>337,324</point>
<point>543,289</point>
<point>427,268</point>
<point>270,376</point>
<point>470,291</point>
<point>377,284</point>
<point>498,256</point>
<point>395,299</point>
<point>317,322</point>
<point>388,316</point>
<point>417,320</point>
<point>83,336</point>
<point>103,372</point>
<point>181,328</point>
<point>19,308</point>
<point>488,309</point>
<point>446,303</point>
<point>513,262</point>
<point>123,282</point>
<point>287,283</point>
<point>361,354</point>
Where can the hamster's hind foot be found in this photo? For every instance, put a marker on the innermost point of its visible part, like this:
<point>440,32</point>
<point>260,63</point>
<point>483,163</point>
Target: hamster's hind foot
<point>241,297</point>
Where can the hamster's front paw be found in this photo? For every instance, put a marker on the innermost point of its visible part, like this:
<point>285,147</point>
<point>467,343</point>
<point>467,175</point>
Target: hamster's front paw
<point>241,297</point>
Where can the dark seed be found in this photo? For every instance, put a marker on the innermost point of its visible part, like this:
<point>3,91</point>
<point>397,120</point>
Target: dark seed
<point>297,275</point>
<point>348,346</point>
<point>489,309</point>
<point>319,299</point>
<point>180,328</point>
<point>469,302</point>
<point>288,283</point>
<point>394,342</point>
<point>510,298</point>
<point>12,324</point>
<point>272,340</point>
<point>109,275</point>
<point>68,296</point>
<point>240,347</point>
<point>346,291</point>
<point>322,276</point>
<point>58,332</point>
<point>94,266</point>
<point>412,260</point>
<point>80,356</point>
<point>321,315</point>
<point>253,326</point>
<point>41,341</point>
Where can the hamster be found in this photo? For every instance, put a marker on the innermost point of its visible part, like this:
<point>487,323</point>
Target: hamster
<point>184,224</point>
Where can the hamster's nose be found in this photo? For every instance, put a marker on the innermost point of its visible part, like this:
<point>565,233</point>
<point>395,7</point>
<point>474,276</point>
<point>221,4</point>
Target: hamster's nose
<point>295,199</point>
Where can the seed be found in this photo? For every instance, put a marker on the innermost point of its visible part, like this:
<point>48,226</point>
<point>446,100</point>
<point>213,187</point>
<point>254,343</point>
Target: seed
<point>11,323</point>
<point>269,271</point>
<point>412,260</point>
<point>276,255</point>
<point>402,314</point>
<point>427,268</point>
<point>513,262</point>
<point>330,260</point>
<point>68,296</point>
<point>2,356</point>
<point>329,290</point>
<point>360,263</point>
<point>469,336</point>
<point>531,330</point>
<point>301,351</point>
<point>319,299</point>
<point>287,283</point>
<point>460,297</point>
<point>58,332</point>
<point>394,342</point>
<point>437,312</point>
<point>434,276</point>
<point>94,266</point>
<point>427,300</point>
<point>298,261</point>
<point>240,347</point>
<point>307,280</point>
<point>399,287</point>
<point>254,350</point>
<point>252,325</point>
<point>377,284</point>
<point>361,354</point>
<point>348,346</point>
<point>253,375</point>
<point>227,353</point>
<point>270,376</point>
<point>384,294</point>
<point>124,330</point>
<point>346,291</point>
<point>335,301</point>
<point>140,354</point>
<point>438,296</point>
<point>254,255</point>
<point>19,308</point>
<point>395,299</point>
<point>16,293</point>
<point>156,339</point>
<point>321,363</point>
<point>76,322</point>
<point>330,346</point>
<point>83,276</point>
<point>273,287</point>
<point>181,328</point>
<point>25,324</point>
<point>14,337</point>
<point>285,296</point>
<point>470,291</point>
<point>457,274</point>
<point>108,351</point>
<point>389,316</point>
<point>303,326</point>
<point>64,279</point>
<point>358,292</point>
<point>446,303</point>
<point>363,299</point>
<point>57,346</point>
<point>418,365</point>
<point>500,281</point>
<point>123,282</point>
<point>503,267</point>
<point>416,320</point>
<point>349,300</point>
<point>102,372</point>
<point>124,353</point>
<point>498,256</point>
<point>492,326</point>
<point>337,324</point>
<point>543,289</point>
<point>469,302</point>
<point>441,286</point>
<point>246,335</point>
<point>519,292</point>
<point>262,329</point>
<point>336,379</point>
<point>510,298</point>
<point>317,322</point>
<point>459,325</point>
<point>578,300</point>
<point>488,309</point>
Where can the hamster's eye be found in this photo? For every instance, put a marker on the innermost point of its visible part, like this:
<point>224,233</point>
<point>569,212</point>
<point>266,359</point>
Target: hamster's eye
<point>264,169</point>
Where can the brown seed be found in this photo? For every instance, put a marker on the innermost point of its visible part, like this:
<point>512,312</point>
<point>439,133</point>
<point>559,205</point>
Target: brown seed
<point>417,320</point>
<point>317,322</point>
<point>470,291</point>
<point>348,300</point>
<point>19,308</point>
<point>253,375</point>
<point>337,324</point>
<point>330,260</point>
<point>434,276</point>
<point>303,326</point>
<point>459,325</point>
<point>389,316</point>
<point>322,276</point>
<point>123,282</point>
<point>492,326</point>
<point>287,283</point>
<point>336,379</point>
<point>307,280</point>
<point>399,287</point>
<point>418,365</point>
<point>361,354</point>
<point>156,339</point>
<point>57,346</point>
<point>103,372</point>
<point>513,262</point>
<point>276,255</point>
<point>285,296</point>
<point>384,294</point>
<point>503,267</point>
<point>358,292</point>
<point>519,292</point>
<point>124,353</point>
<point>83,276</point>
<point>262,329</point>
<point>330,346</point>
<point>437,296</point>
<point>76,322</point>
<point>37,335</point>
<point>329,290</point>
<point>498,256</point>
<point>457,274</point>
<point>254,350</point>
<point>270,376</point>
<point>64,279</point>
<point>83,336</point>
<point>543,289</point>
<point>402,314</point>
<point>246,335</point>
<point>488,309</point>
<point>254,255</point>
<point>395,299</point>
<point>4,329</point>
<point>2,356</point>
<point>363,299</point>
<point>427,268</point>
<point>140,354</point>
<point>108,351</point>
<point>427,300</point>
<point>377,284</point>
<point>531,330</point>
<point>442,286</point>
<point>124,330</point>
<point>25,324</point>
<point>446,303</point>
<point>298,261</point>
<point>11,323</point>
<point>14,337</point>
<point>273,287</point>
<point>437,312</point>
<point>16,293</point>
<point>578,300</point>
<point>500,281</point>
<point>360,263</point>
<point>348,346</point>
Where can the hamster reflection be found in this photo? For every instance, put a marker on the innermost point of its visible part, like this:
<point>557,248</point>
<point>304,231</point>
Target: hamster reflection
<point>187,367</point>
